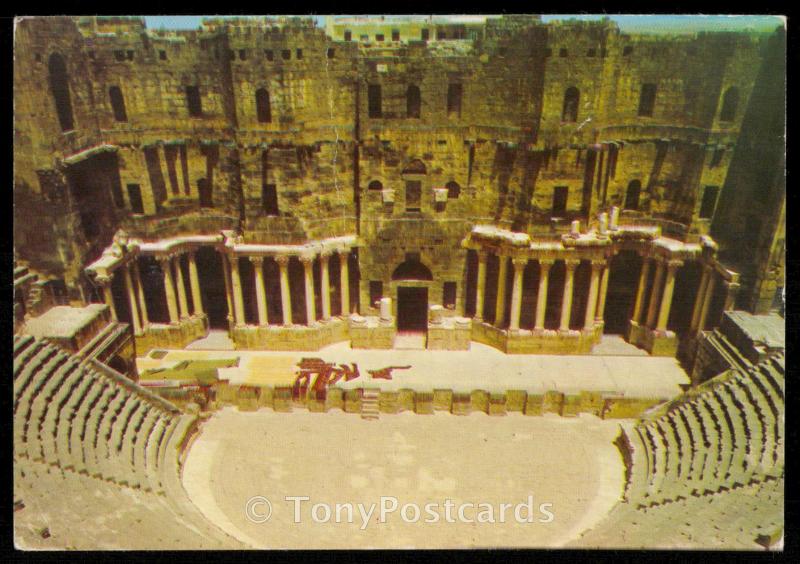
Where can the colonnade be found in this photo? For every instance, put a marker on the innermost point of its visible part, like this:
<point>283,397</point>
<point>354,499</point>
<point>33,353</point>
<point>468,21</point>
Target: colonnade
<point>598,287</point>
<point>231,264</point>
<point>178,300</point>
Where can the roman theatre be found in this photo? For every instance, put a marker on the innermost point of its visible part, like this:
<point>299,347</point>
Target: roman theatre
<point>530,272</point>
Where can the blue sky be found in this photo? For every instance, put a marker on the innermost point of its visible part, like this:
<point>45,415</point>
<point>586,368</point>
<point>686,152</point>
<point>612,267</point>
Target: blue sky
<point>667,23</point>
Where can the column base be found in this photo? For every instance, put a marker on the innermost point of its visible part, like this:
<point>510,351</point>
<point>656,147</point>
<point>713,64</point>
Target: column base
<point>171,336</point>
<point>289,337</point>
<point>657,343</point>
<point>536,341</point>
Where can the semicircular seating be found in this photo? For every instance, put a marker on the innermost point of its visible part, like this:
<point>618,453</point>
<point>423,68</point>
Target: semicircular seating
<point>96,455</point>
<point>707,470</point>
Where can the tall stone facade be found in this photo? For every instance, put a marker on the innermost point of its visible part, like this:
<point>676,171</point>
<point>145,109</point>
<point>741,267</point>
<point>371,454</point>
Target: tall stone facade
<point>543,183</point>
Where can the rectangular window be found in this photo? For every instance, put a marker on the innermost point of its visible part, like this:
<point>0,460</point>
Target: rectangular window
<point>269,54</point>
<point>454,100</point>
<point>130,55</point>
<point>375,292</point>
<point>560,201</point>
<point>299,53</point>
<point>157,183</point>
<point>716,158</point>
<point>135,196</point>
<point>378,37</point>
<point>193,101</point>
<point>426,34</point>
<point>205,193</point>
<point>242,55</point>
<point>171,155</point>
<point>286,54</point>
<point>709,202</point>
<point>331,53</point>
<point>647,100</point>
<point>348,35</point>
<point>440,34</point>
<point>269,199</point>
<point>162,55</point>
<point>563,52</point>
<point>395,35</point>
<point>374,100</point>
<point>119,55</point>
<point>413,195</point>
<point>449,295</point>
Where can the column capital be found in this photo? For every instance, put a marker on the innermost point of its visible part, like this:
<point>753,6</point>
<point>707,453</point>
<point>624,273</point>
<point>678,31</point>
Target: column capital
<point>597,264</point>
<point>282,260</point>
<point>731,286</point>
<point>102,280</point>
<point>325,255</point>
<point>163,258</point>
<point>256,260</point>
<point>571,264</point>
<point>307,259</point>
<point>483,255</point>
<point>546,263</point>
<point>519,262</point>
<point>674,264</point>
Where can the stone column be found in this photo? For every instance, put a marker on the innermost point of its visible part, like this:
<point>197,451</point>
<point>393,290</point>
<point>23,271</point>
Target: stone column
<point>712,280</point>
<point>308,271</point>
<point>500,304</point>
<point>481,285</point>
<point>182,302</point>
<point>541,295</point>
<point>236,285</point>
<point>344,282</point>
<point>140,292</point>
<point>386,309</point>
<point>601,300</point>
<point>108,296</point>
<point>226,271</point>
<point>261,296</point>
<point>516,292</point>
<point>286,298</point>
<point>731,290</point>
<point>325,284</point>
<point>137,328</point>
<point>591,303</point>
<point>566,302</point>
<point>666,299</point>
<point>169,288</point>
<point>658,282</point>
<point>637,307</point>
<point>194,282</point>
<point>698,300</point>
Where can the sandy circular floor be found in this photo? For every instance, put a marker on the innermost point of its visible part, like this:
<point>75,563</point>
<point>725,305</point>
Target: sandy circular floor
<point>337,458</point>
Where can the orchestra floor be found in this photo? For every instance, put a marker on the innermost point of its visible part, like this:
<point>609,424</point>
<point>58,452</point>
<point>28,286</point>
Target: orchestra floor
<point>336,458</point>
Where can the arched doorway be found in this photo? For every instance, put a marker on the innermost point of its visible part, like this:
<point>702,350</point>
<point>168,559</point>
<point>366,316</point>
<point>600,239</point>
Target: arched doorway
<point>412,297</point>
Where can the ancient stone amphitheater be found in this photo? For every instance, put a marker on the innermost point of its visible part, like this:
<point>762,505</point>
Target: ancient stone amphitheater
<point>98,460</point>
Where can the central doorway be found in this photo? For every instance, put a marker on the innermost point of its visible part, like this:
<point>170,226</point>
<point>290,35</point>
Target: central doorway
<point>412,309</point>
